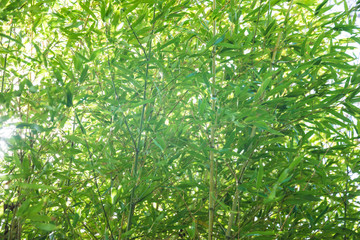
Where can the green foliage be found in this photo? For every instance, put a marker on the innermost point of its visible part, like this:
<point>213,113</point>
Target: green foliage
<point>113,106</point>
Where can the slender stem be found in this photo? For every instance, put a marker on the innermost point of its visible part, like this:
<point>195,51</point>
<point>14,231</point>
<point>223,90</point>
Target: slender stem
<point>280,35</point>
<point>239,181</point>
<point>132,196</point>
<point>95,176</point>
<point>3,76</point>
<point>137,38</point>
<point>85,226</point>
<point>212,193</point>
<point>237,192</point>
<point>346,200</point>
<point>138,146</point>
<point>5,63</point>
<point>118,99</point>
<point>233,210</point>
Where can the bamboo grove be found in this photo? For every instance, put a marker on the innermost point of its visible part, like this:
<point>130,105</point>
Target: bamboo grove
<point>179,119</point>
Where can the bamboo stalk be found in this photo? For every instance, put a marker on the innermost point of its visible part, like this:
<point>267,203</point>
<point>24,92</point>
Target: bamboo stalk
<point>212,193</point>
<point>237,192</point>
<point>132,196</point>
<point>233,210</point>
<point>138,148</point>
<point>5,62</point>
<point>107,218</point>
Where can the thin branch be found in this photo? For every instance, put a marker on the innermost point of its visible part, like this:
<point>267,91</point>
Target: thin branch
<point>124,117</point>
<point>5,62</point>
<point>181,98</point>
<point>137,38</point>
<point>239,181</point>
<point>95,176</point>
<point>212,190</point>
<point>85,226</point>
<point>138,148</point>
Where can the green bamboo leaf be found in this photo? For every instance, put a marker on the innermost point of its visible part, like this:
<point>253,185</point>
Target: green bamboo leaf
<point>321,214</point>
<point>302,199</point>
<point>58,76</point>
<point>139,20</point>
<point>202,106</point>
<point>109,11</point>
<point>23,207</point>
<point>295,162</point>
<point>270,27</point>
<point>38,51</point>
<point>356,76</point>
<point>85,6</point>
<point>335,121</point>
<point>215,40</point>
<point>321,5</point>
<point>260,175</point>
<point>222,204</point>
<point>36,186</point>
<point>261,233</point>
<point>69,98</point>
<point>262,88</point>
<point>128,72</point>
<point>35,208</point>
<point>159,145</point>
<point>33,126</point>
<point>229,45</point>
<point>80,56</point>
<point>304,6</point>
<point>75,219</point>
<point>84,74</point>
<point>96,53</point>
<point>352,109</point>
<point>136,104</point>
<point>219,40</point>
<point>129,8</point>
<point>80,124</point>
<point>192,230</point>
<point>161,66</point>
<point>264,126</point>
<point>170,42</point>
<point>347,28</point>
<point>33,89</point>
<point>318,42</point>
<point>62,64</point>
<point>74,138</point>
<point>283,176</point>
<point>12,39</point>
<point>46,226</point>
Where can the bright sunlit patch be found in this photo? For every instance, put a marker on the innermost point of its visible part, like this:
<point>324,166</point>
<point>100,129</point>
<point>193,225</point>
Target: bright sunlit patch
<point>5,133</point>
<point>354,176</point>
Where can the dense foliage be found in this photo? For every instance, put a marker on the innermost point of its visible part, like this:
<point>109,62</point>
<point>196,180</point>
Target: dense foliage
<point>169,119</point>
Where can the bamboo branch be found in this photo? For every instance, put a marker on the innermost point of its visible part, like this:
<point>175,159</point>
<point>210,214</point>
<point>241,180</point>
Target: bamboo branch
<point>239,181</point>
<point>95,176</point>
<point>5,62</point>
<point>138,147</point>
<point>280,35</point>
<point>124,117</point>
<point>212,193</point>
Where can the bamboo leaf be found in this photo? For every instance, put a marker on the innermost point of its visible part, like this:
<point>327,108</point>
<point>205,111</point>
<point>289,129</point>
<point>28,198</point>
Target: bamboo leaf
<point>11,39</point>
<point>260,175</point>
<point>321,5</point>
<point>84,74</point>
<point>46,226</point>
